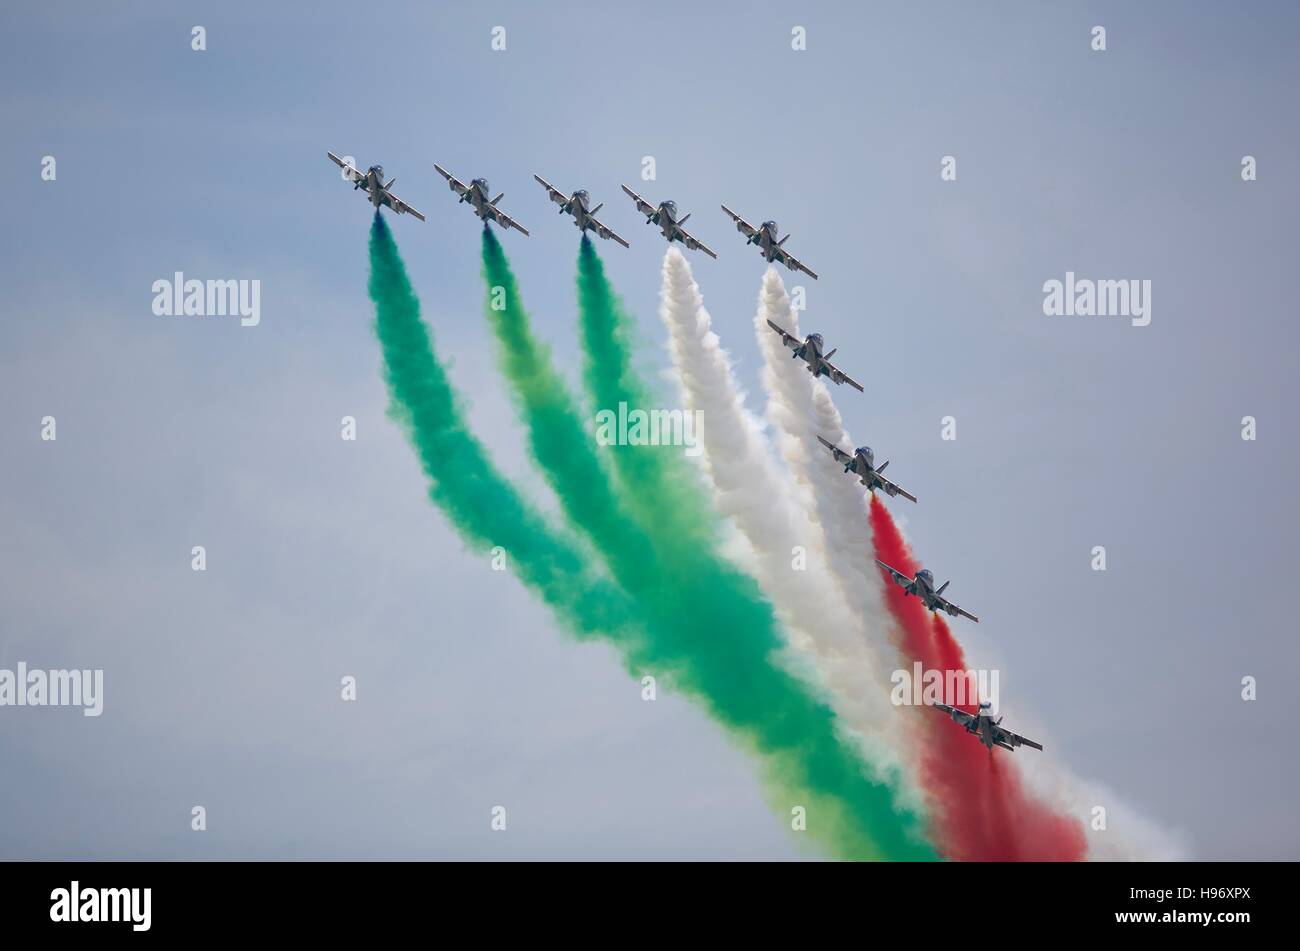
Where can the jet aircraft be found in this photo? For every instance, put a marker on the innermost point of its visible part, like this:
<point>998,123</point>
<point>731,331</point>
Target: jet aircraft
<point>986,729</point>
<point>376,189</point>
<point>812,350</point>
<point>476,193</point>
<point>665,216</point>
<point>579,206</point>
<point>922,586</point>
<point>863,464</point>
<point>765,236</point>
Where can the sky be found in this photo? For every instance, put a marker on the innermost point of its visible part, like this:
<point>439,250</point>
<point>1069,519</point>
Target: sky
<point>324,558</point>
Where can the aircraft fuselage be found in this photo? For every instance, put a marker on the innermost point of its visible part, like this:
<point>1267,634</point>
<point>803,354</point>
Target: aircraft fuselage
<point>766,239</point>
<point>477,197</point>
<point>810,351</point>
<point>374,185</point>
<point>577,207</point>
<point>666,219</point>
<point>928,599</point>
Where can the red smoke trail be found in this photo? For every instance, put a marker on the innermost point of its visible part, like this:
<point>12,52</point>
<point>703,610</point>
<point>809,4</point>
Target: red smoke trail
<point>980,809</point>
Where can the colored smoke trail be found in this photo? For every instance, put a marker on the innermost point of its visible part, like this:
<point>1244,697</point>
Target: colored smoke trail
<point>479,501</point>
<point>660,485</point>
<point>799,409</point>
<point>981,811</point>
<point>710,632</point>
<point>486,511</point>
<point>764,506</point>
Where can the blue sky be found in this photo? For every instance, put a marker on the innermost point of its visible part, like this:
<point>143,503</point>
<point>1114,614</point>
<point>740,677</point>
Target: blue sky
<point>324,557</point>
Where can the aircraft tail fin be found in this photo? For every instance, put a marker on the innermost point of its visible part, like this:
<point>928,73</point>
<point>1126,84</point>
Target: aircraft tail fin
<point>597,208</point>
<point>827,356</point>
<point>497,199</point>
<point>942,586</point>
<point>882,467</point>
<point>389,184</point>
<point>682,221</point>
<point>783,241</point>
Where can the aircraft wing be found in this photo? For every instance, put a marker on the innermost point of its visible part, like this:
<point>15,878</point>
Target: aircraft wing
<point>642,205</point>
<point>399,206</point>
<point>350,173</point>
<point>840,455</point>
<point>606,232</point>
<point>794,264</point>
<point>457,186</point>
<point>892,489</point>
<point>506,221</point>
<point>1013,739</point>
<point>743,226</point>
<point>898,576</point>
<point>693,242</point>
<point>960,716</point>
<point>839,376</point>
<point>953,610</point>
<point>791,341</point>
<point>552,192</point>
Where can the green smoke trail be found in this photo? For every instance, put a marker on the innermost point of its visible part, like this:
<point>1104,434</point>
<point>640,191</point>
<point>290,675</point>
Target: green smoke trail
<point>482,505</point>
<point>709,629</point>
<point>659,485</point>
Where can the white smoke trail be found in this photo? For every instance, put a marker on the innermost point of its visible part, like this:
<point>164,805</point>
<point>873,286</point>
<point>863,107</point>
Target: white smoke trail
<point>800,408</point>
<point>758,499</point>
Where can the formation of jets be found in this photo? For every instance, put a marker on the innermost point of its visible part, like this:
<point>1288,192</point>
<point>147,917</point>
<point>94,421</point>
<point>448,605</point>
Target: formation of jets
<point>578,205</point>
<point>862,463</point>
<point>811,349</point>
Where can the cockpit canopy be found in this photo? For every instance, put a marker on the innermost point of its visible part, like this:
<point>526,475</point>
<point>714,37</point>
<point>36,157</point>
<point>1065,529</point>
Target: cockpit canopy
<point>378,170</point>
<point>771,226</point>
<point>866,453</point>
<point>482,183</point>
<point>817,340</point>
<point>670,206</point>
<point>581,195</point>
<point>926,573</point>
